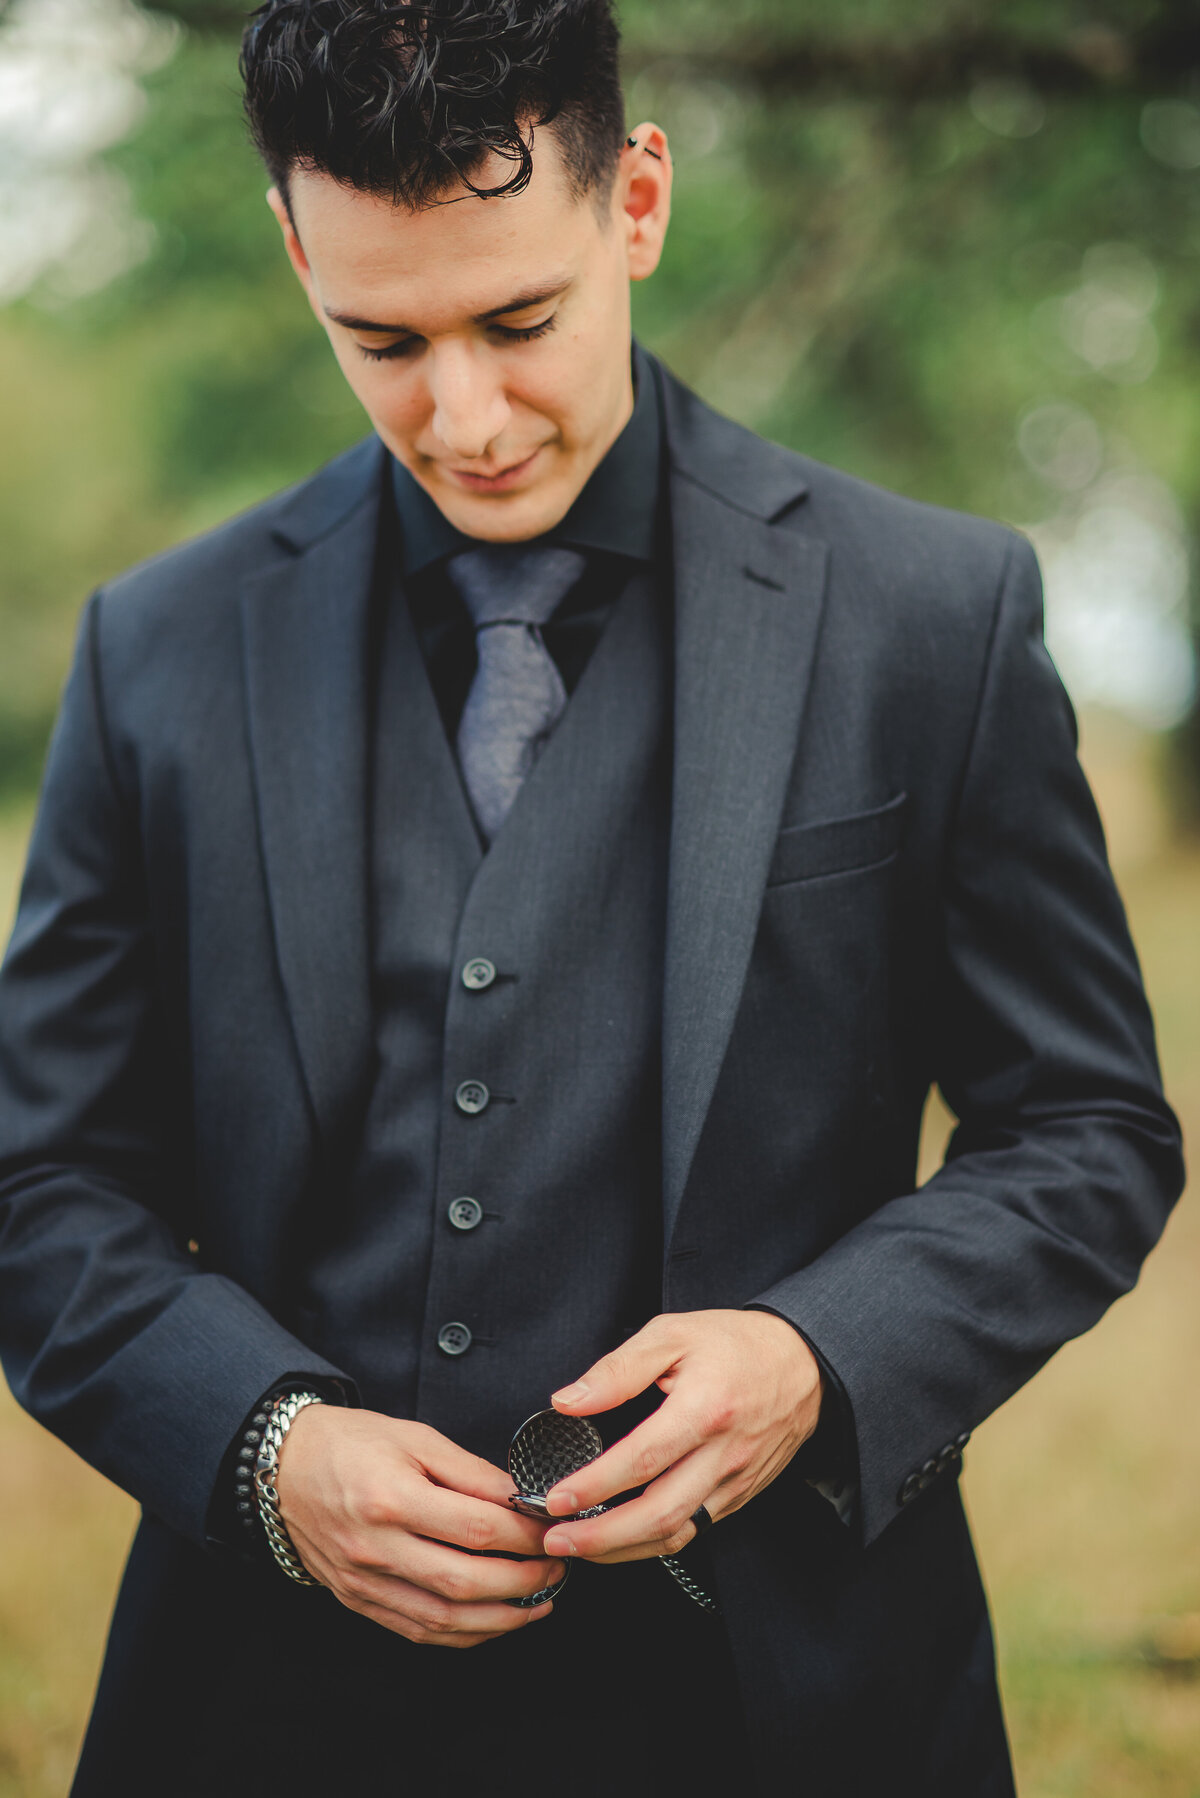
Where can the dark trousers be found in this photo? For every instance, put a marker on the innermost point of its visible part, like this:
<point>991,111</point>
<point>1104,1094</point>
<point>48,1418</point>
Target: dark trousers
<point>245,1681</point>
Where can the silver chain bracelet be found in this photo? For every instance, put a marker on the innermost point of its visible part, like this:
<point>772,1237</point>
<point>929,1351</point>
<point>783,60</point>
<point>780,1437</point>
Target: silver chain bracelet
<point>282,1415</point>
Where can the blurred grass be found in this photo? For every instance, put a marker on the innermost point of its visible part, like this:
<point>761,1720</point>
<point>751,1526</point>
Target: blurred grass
<point>1083,1490</point>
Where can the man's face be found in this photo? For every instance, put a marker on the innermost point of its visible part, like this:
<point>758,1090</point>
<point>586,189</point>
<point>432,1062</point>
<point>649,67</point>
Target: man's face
<point>488,340</point>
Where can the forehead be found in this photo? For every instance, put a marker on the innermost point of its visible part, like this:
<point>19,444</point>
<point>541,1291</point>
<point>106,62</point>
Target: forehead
<point>458,256</point>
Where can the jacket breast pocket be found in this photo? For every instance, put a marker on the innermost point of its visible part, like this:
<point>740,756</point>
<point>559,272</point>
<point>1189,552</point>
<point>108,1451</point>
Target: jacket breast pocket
<point>838,845</point>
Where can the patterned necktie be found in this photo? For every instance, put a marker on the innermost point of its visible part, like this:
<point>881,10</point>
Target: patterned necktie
<point>517,695</point>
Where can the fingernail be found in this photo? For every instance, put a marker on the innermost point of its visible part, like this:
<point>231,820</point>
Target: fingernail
<point>571,1395</point>
<point>562,1504</point>
<point>558,1544</point>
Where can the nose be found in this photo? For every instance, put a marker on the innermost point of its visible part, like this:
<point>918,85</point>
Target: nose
<point>469,406</point>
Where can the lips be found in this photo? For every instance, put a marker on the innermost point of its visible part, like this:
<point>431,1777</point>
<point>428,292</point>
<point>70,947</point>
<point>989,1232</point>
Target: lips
<point>479,482</point>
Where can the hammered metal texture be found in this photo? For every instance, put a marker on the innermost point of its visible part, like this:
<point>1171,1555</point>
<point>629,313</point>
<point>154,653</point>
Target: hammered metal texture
<point>527,1604</point>
<point>544,1450</point>
<point>548,1447</point>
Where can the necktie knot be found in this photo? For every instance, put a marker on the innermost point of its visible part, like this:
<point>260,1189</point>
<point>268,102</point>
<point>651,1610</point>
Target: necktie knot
<point>512,583</point>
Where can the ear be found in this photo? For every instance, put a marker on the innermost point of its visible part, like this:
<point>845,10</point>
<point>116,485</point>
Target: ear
<point>644,197</point>
<point>292,244</point>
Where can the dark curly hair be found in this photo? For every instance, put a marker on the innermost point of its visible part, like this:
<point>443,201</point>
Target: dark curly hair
<point>409,100</point>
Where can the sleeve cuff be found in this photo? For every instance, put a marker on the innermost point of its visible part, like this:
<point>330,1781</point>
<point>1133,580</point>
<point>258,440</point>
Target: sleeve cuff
<point>227,1527</point>
<point>828,1461</point>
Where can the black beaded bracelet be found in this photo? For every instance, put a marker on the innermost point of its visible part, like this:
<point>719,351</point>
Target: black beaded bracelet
<point>245,1498</point>
<point>245,1502</point>
<point>249,1535</point>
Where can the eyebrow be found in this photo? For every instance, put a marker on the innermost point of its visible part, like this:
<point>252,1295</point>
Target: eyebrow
<point>533,296</point>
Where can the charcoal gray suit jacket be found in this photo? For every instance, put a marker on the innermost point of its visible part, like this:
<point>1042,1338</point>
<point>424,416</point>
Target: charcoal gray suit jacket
<point>886,871</point>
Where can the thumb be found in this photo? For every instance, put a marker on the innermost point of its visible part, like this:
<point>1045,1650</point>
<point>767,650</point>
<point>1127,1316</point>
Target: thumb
<point>618,1376</point>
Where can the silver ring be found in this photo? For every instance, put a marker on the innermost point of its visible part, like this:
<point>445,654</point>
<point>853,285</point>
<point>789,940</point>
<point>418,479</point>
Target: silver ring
<point>702,1521</point>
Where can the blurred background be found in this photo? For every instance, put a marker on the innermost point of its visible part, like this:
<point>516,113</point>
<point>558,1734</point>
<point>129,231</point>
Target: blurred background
<point>950,247</point>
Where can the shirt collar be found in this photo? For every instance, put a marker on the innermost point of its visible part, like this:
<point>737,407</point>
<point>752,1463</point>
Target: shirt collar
<point>617,510</point>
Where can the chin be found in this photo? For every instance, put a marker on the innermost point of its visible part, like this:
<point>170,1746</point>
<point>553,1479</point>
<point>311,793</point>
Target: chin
<point>506,518</point>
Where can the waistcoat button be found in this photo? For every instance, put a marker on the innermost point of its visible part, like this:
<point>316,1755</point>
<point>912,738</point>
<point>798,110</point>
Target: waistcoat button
<point>464,1214</point>
<point>478,973</point>
<point>472,1096</point>
<point>454,1339</point>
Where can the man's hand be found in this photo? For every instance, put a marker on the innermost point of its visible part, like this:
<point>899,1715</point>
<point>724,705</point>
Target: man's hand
<point>380,1511</point>
<point>743,1392</point>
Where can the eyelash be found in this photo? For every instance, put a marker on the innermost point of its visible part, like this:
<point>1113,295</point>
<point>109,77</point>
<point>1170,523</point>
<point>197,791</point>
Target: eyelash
<point>523,334</point>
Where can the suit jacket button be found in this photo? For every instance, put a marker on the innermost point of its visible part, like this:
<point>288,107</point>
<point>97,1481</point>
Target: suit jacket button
<point>472,1097</point>
<point>464,1214</point>
<point>454,1339</point>
<point>912,1485</point>
<point>960,1442</point>
<point>478,973</point>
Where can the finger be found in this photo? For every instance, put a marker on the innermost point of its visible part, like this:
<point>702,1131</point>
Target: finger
<point>477,1579</point>
<point>657,1523</point>
<point>659,1442</point>
<point>470,1523</point>
<point>445,1574</point>
<point>378,1531</point>
<point>435,1618</point>
<point>621,1374</point>
<point>454,1626</point>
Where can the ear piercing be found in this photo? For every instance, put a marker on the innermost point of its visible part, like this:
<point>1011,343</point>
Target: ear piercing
<point>632,142</point>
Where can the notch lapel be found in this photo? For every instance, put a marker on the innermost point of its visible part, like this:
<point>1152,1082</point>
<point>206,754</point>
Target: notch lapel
<point>748,599</point>
<point>305,632</point>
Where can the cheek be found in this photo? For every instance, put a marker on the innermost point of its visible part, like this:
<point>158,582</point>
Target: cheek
<point>566,387</point>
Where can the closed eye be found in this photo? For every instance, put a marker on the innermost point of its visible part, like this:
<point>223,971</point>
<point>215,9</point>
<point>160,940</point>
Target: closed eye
<point>506,333</point>
<point>523,333</point>
<point>389,350</point>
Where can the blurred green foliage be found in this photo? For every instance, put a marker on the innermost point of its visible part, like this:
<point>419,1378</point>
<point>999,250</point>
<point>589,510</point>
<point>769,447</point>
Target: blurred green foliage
<point>879,214</point>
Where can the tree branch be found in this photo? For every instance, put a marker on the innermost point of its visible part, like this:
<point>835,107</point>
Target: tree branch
<point>1090,60</point>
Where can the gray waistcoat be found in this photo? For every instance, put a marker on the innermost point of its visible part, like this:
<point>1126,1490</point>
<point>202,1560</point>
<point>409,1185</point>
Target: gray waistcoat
<point>564,1158</point>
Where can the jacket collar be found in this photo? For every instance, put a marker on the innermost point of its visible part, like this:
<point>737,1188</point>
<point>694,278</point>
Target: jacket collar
<point>749,593</point>
<point>306,513</point>
<point>762,479</point>
<point>722,458</point>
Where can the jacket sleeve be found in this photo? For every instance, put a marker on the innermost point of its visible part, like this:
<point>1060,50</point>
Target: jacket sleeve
<point>111,1332</point>
<point>1066,1159</point>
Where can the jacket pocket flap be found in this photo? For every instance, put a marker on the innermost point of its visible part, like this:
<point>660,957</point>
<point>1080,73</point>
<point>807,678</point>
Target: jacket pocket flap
<point>838,845</point>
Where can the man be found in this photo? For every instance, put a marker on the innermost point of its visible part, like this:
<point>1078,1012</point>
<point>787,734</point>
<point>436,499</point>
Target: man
<point>493,920</point>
